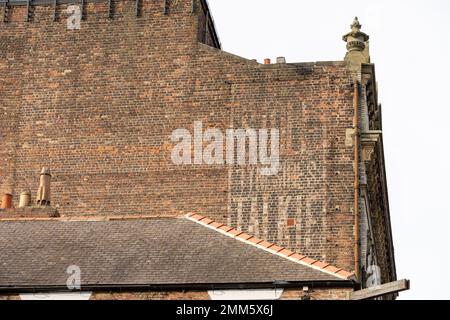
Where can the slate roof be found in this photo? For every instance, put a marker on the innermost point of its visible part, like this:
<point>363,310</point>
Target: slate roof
<point>153,252</point>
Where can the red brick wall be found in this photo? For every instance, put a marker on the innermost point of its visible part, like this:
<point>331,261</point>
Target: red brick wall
<point>10,297</point>
<point>317,294</point>
<point>163,295</point>
<point>288,294</point>
<point>98,105</point>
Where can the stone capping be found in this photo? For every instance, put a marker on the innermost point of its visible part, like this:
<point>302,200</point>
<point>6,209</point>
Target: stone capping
<point>270,247</point>
<point>29,217</point>
<point>274,66</point>
<point>28,213</point>
<point>47,2</point>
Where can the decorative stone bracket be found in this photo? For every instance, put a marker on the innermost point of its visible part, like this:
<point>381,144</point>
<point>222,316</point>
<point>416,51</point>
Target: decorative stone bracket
<point>370,142</point>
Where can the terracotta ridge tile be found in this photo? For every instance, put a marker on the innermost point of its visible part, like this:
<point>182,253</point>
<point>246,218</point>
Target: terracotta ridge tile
<point>255,240</point>
<point>225,228</point>
<point>265,244</point>
<point>207,221</point>
<point>235,232</point>
<point>244,236</point>
<point>332,269</point>
<point>216,225</point>
<point>275,248</point>
<point>320,264</point>
<point>308,260</point>
<point>197,217</point>
<point>297,257</point>
<point>287,252</point>
<point>345,274</point>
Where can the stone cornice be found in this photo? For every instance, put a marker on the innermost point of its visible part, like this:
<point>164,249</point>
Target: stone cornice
<point>372,143</point>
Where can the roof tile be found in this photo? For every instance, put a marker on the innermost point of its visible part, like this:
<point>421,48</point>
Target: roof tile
<point>297,256</point>
<point>216,225</point>
<point>275,248</point>
<point>320,264</point>
<point>197,217</point>
<point>207,221</point>
<point>109,246</point>
<point>225,228</point>
<point>332,269</point>
<point>286,252</point>
<point>265,244</point>
<point>308,260</point>
<point>244,236</point>
<point>235,232</point>
<point>255,240</point>
<point>344,274</point>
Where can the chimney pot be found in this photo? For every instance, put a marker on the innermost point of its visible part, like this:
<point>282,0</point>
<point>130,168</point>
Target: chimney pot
<point>43,194</point>
<point>25,199</point>
<point>7,201</point>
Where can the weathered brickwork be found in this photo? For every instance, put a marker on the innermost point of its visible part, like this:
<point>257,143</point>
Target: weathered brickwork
<point>163,295</point>
<point>288,294</point>
<point>10,297</point>
<point>317,294</point>
<point>98,105</point>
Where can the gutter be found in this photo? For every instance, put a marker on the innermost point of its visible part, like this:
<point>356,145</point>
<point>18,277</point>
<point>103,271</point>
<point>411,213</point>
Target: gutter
<point>178,287</point>
<point>356,172</point>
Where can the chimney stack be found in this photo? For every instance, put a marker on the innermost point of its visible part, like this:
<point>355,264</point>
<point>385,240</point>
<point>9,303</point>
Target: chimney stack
<point>267,61</point>
<point>43,194</point>
<point>281,60</point>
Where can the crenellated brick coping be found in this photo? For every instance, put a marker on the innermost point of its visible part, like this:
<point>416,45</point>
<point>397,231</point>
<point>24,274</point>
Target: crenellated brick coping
<point>87,218</point>
<point>29,212</point>
<point>270,247</point>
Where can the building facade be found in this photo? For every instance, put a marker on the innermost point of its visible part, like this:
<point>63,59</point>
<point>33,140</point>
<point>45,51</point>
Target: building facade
<point>95,90</point>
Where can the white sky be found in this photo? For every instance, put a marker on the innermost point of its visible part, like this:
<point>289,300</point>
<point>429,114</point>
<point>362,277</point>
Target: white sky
<point>411,50</point>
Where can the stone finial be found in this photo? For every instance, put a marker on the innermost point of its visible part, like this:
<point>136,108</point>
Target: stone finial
<point>356,40</point>
<point>356,26</point>
<point>43,194</point>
